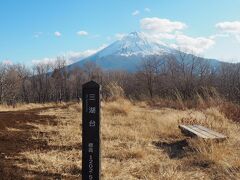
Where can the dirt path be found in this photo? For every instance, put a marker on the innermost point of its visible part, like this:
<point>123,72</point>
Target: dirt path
<point>15,137</point>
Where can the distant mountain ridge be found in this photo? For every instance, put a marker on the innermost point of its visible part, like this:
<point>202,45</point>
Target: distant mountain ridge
<point>127,53</point>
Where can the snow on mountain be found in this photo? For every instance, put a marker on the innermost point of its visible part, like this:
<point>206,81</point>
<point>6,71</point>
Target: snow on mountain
<point>128,53</point>
<point>135,44</point>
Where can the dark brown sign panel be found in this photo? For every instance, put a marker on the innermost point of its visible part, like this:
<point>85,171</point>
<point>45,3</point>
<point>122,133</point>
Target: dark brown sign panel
<point>91,131</point>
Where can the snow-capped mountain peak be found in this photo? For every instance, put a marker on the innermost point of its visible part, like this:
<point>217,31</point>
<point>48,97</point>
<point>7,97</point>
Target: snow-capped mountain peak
<point>135,44</point>
<point>128,53</point>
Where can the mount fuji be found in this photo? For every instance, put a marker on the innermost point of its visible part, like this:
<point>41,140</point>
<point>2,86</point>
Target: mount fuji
<point>127,53</point>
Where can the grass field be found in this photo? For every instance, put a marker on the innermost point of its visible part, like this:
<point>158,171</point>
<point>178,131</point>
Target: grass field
<point>139,141</point>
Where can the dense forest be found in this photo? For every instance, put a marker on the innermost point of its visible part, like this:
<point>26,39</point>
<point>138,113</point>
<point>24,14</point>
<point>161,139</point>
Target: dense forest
<point>156,77</point>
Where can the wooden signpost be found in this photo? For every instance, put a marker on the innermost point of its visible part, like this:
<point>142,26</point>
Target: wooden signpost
<point>91,157</point>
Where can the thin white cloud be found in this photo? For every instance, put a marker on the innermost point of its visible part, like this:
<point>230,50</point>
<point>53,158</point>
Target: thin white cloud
<point>147,10</point>
<point>225,49</point>
<point>7,62</point>
<point>238,37</point>
<point>230,28</point>
<point>82,33</point>
<point>159,36</point>
<point>70,56</point>
<point>215,36</point>
<point>159,30</point>
<point>197,45</point>
<point>57,33</point>
<point>157,25</point>
<point>120,35</point>
<point>45,60</point>
<point>136,12</point>
<point>109,38</point>
<point>38,34</point>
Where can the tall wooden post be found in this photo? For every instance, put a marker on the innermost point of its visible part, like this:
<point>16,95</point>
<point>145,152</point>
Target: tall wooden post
<point>91,157</point>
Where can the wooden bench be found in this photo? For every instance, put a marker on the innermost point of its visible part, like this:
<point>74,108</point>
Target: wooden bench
<point>200,131</point>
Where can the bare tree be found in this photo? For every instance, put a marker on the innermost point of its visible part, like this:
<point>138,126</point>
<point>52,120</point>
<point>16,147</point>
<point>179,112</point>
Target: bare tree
<point>149,71</point>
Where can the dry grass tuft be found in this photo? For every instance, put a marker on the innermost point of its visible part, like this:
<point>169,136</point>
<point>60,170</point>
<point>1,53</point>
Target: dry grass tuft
<point>126,154</point>
<point>118,107</point>
<point>114,91</point>
<point>231,110</point>
<point>55,162</point>
<point>206,99</point>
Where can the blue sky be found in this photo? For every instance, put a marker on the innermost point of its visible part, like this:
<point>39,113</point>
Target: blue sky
<point>40,30</point>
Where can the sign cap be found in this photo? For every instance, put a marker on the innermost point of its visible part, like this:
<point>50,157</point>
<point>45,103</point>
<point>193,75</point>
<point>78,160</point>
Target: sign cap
<point>91,84</point>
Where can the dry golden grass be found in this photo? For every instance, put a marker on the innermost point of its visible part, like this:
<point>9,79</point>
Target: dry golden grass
<point>138,142</point>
